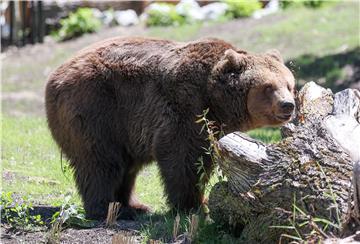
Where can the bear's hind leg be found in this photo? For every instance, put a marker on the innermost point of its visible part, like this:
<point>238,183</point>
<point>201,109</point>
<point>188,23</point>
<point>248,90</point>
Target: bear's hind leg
<point>125,193</point>
<point>95,181</point>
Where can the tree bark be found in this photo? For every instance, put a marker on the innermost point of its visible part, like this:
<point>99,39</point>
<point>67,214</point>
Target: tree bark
<point>307,183</point>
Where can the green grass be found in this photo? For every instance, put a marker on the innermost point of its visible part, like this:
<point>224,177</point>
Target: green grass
<point>31,161</point>
<point>319,31</point>
<point>295,31</point>
<point>267,135</point>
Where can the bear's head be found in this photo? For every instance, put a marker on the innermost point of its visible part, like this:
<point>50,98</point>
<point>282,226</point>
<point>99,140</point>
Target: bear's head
<point>248,91</point>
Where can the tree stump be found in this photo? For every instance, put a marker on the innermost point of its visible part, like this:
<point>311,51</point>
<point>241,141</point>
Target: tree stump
<point>305,187</point>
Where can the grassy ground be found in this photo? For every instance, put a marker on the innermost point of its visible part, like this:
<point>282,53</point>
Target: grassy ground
<point>295,32</point>
<point>312,39</point>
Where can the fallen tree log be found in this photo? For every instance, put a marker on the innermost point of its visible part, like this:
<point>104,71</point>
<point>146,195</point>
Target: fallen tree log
<point>306,186</point>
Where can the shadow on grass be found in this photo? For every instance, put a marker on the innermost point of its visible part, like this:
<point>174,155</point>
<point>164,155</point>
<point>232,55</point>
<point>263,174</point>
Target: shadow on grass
<point>336,71</point>
<point>160,226</point>
<point>46,212</point>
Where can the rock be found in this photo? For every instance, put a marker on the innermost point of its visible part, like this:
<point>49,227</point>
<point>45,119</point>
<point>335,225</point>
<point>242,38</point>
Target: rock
<point>126,17</point>
<point>214,11</point>
<point>271,7</point>
<point>109,18</point>
<point>190,9</point>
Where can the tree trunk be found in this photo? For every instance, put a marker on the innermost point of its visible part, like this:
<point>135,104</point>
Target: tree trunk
<point>306,186</point>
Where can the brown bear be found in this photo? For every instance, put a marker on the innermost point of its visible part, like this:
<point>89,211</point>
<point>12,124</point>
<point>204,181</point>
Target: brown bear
<point>124,102</point>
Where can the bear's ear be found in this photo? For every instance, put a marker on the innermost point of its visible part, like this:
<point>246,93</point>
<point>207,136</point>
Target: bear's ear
<point>274,53</point>
<point>236,59</point>
<point>231,60</point>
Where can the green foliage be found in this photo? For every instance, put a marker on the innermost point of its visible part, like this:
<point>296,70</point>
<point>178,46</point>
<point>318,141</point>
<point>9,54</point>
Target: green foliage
<point>77,23</point>
<point>69,215</point>
<point>308,3</point>
<point>213,132</point>
<point>164,15</point>
<point>314,3</point>
<point>17,214</point>
<point>242,8</point>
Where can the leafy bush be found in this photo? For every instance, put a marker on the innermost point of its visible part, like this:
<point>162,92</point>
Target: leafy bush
<point>163,14</point>
<point>242,8</point>
<point>314,3</point>
<point>308,3</point>
<point>77,23</point>
<point>17,214</point>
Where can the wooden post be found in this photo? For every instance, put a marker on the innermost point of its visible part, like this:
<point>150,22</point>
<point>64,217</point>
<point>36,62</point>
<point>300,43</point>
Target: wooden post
<point>33,25</point>
<point>40,22</point>
<point>12,21</point>
<point>23,21</point>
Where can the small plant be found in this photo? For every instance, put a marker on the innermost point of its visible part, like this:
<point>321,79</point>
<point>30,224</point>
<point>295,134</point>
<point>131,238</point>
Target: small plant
<point>78,23</point>
<point>242,8</point>
<point>315,227</point>
<point>213,133</point>
<point>17,214</point>
<point>164,14</point>
<point>69,215</point>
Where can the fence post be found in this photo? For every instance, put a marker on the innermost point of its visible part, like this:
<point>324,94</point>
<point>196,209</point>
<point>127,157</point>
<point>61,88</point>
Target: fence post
<point>33,23</point>
<point>40,22</point>
<point>12,21</point>
<point>23,20</point>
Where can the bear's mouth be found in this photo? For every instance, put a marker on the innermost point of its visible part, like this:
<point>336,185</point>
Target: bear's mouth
<point>284,117</point>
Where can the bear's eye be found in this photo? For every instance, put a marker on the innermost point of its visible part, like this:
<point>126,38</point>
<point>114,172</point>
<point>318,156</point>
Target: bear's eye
<point>232,75</point>
<point>289,88</point>
<point>268,89</point>
<point>295,92</point>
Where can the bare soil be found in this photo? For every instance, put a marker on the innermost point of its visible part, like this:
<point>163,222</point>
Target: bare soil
<point>99,234</point>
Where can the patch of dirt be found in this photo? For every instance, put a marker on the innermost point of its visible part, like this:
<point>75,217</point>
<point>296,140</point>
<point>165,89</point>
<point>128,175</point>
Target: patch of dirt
<point>94,235</point>
<point>98,234</point>
<point>10,176</point>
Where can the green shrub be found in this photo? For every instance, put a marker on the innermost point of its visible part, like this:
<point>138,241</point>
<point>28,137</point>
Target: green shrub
<point>17,214</point>
<point>164,14</point>
<point>77,23</point>
<point>308,3</point>
<point>242,8</point>
<point>314,3</point>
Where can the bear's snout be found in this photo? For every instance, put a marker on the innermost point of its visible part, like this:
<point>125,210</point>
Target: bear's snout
<point>287,107</point>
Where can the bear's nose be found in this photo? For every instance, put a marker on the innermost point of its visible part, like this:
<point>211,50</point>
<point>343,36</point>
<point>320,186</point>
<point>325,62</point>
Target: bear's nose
<point>287,106</point>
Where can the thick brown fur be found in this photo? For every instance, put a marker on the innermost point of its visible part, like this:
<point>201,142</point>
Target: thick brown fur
<point>124,102</point>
